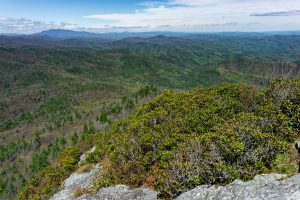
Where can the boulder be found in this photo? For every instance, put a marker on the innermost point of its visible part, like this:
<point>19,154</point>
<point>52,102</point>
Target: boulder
<point>121,192</point>
<point>76,180</point>
<point>271,186</point>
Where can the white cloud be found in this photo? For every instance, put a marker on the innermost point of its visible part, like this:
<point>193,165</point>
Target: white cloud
<point>2,18</point>
<point>179,15</point>
<point>198,15</point>
<point>23,25</point>
<point>275,14</point>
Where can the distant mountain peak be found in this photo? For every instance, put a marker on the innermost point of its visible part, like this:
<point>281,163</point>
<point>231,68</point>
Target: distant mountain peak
<point>67,34</point>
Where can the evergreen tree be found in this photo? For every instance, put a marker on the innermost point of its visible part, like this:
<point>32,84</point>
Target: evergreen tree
<point>74,138</point>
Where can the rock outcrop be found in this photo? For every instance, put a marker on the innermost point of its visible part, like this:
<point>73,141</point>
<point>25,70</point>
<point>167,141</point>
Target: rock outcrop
<point>262,187</point>
<point>83,156</point>
<point>76,180</point>
<point>266,187</point>
<point>121,192</point>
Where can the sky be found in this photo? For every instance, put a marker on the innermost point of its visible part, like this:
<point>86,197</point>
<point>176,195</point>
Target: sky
<point>31,16</point>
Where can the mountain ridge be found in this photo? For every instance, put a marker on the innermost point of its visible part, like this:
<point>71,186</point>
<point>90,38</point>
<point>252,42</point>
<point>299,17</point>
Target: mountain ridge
<point>73,34</point>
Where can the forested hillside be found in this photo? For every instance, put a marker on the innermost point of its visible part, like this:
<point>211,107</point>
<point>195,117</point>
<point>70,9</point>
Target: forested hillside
<point>178,141</point>
<point>56,93</point>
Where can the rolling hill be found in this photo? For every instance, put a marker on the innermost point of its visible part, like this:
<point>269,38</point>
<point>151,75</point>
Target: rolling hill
<point>56,93</point>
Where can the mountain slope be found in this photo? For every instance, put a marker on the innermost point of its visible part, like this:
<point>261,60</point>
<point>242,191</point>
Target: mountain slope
<point>53,91</point>
<point>177,141</point>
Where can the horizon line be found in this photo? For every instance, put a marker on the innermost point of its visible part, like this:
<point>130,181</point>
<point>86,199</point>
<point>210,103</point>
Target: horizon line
<point>197,32</point>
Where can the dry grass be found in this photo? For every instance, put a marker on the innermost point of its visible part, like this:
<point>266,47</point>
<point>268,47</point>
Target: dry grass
<point>85,168</point>
<point>79,191</point>
<point>105,163</point>
<point>150,182</point>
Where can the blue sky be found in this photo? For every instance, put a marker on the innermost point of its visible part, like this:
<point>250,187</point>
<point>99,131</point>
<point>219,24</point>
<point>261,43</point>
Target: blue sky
<point>70,11</point>
<point>29,16</point>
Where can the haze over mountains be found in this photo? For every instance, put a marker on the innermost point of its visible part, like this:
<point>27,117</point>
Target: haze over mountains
<point>70,34</point>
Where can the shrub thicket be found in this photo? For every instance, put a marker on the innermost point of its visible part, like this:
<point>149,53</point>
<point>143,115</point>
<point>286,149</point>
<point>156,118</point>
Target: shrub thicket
<point>47,181</point>
<point>205,136</point>
<point>180,140</point>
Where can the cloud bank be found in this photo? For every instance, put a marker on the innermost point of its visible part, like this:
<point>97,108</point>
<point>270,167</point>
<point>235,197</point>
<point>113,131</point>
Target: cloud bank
<point>275,14</point>
<point>202,15</point>
<point>23,25</point>
<point>178,15</point>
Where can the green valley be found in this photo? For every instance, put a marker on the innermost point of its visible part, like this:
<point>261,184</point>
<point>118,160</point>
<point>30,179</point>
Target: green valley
<point>60,97</point>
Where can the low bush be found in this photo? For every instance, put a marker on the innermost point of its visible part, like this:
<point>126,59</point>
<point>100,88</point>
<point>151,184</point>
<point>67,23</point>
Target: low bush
<point>206,136</point>
<point>180,140</point>
<point>45,183</point>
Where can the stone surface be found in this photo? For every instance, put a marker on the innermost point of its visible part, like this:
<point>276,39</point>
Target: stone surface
<point>262,187</point>
<point>121,192</point>
<point>83,180</point>
<point>83,156</point>
<point>271,187</point>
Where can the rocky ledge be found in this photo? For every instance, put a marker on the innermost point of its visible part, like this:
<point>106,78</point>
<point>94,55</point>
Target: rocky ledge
<point>266,187</point>
<point>269,186</point>
<point>121,192</point>
<point>75,181</point>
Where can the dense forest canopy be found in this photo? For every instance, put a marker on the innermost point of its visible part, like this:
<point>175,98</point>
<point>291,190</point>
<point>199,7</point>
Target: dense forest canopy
<point>55,93</point>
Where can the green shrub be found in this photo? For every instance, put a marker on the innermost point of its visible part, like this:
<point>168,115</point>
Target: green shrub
<point>206,136</point>
<point>180,140</point>
<point>46,182</point>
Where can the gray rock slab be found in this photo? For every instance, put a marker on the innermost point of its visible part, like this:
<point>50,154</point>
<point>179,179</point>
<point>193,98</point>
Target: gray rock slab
<point>83,180</point>
<point>262,187</point>
<point>122,192</point>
